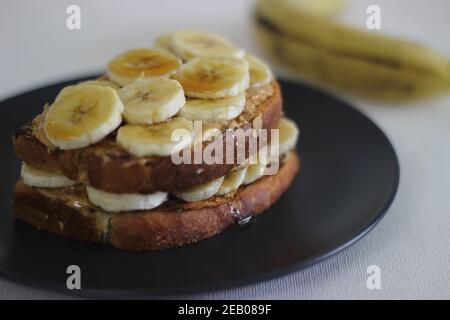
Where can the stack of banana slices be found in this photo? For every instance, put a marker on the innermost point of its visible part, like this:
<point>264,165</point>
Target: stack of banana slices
<point>148,94</point>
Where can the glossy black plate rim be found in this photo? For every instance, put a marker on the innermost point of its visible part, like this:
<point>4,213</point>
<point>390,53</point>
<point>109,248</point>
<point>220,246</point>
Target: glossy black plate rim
<point>228,284</point>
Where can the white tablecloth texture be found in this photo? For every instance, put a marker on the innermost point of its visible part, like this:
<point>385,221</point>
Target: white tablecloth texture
<point>411,245</point>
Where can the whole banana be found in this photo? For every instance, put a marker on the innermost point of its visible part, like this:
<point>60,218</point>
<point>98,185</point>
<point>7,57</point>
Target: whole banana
<point>329,53</point>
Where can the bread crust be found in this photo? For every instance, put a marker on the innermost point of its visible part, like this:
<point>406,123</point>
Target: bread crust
<point>175,223</point>
<point>108,167</point>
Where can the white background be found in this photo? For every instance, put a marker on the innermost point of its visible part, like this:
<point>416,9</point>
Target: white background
<point>411,245</point>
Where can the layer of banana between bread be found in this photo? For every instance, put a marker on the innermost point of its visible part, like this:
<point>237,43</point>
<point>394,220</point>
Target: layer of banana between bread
<point>67,212</point>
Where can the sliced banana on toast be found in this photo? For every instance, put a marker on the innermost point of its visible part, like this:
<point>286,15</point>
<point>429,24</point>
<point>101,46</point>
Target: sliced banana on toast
<point>287,139</point>
<point>260,73</point>
<point>232,181</point>
<point>214,77</point>
<point>288,135</point>
<point>82,115</point>
<point>43,179</point>
<point>200,192</point>
<point>101,83</point>
<point>113,202</point>
<point>189,44</point>
<point>142,63</point>
<point>255,170</point>
<point>164,43</point>
<point>213,110</point>
<point>151,101</point>
<point>161,139</point>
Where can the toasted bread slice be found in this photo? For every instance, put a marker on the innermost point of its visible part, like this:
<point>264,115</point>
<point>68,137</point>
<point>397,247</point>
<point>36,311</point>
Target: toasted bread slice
<point>66,212</point>
<point>108,167</point>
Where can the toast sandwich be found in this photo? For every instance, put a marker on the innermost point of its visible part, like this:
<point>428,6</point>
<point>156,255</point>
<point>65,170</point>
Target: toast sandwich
<point>173,145</point>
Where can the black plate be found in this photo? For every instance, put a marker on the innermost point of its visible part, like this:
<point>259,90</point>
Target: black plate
<point>348,179</point>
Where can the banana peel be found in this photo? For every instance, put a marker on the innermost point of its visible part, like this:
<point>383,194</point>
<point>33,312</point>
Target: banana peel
<point>332,54</point>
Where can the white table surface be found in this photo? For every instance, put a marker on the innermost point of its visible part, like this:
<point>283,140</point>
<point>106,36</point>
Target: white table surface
<point>411,245</point>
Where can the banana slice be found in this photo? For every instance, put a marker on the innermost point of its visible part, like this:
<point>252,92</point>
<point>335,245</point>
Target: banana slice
<point>215,111</point>
<point>288,135</point>
<point>142,63</point>
<point>232,181</point>
<point>43,178</point>
<point>200,192</point>
<point>156,140</point>
<point>260,73</point>
<point>101,83</point>
<point>256,170</point>
<point>189,44</point>
<point>213,77</point>
<point>82,115</point>
<point>151,101</point>
<point>113,202</point>
<point>164,43</point>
